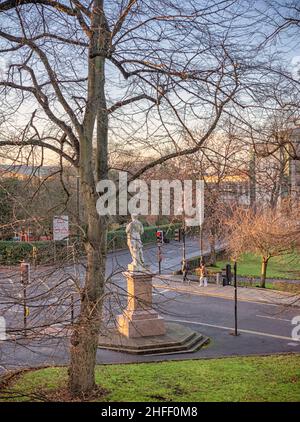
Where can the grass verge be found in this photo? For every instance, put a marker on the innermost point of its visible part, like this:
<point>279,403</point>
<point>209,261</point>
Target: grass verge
<point>284,267</point>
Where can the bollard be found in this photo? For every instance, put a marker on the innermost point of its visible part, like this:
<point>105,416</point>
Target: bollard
<point>34,255</point>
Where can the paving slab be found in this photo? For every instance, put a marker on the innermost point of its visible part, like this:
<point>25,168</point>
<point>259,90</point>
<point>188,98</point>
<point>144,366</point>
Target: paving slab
<point>246,294</point>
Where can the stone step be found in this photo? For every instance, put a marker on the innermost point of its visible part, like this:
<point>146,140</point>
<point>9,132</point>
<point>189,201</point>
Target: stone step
<point>190,343</point>
<point>197,346</point>
<point>144,346</point>
<point>193,345</point>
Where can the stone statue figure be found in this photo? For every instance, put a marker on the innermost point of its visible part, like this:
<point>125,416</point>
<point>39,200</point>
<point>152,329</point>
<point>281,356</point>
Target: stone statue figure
<point>134,230</point>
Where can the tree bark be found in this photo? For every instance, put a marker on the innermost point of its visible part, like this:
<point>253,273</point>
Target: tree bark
<point>213,254</point>
<point>84,340</point>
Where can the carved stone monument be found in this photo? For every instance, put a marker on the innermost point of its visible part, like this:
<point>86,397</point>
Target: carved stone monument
<point>139,319</point>
<point>140,329</point>
<point>134,231</point>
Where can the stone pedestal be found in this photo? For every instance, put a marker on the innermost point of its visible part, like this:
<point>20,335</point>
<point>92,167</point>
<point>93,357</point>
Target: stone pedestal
<point>139,319</point>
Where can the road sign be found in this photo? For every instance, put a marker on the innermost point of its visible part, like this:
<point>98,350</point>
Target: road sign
<point>60,227</point>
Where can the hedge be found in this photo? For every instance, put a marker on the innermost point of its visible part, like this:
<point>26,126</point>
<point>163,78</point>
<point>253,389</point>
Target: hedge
<point>12,253</point>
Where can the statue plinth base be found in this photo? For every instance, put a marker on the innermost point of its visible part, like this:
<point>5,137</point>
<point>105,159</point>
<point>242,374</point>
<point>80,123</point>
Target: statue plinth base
<point>139,318</point>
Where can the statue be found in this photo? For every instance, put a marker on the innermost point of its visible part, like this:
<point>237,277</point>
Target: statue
<point>134,230</point>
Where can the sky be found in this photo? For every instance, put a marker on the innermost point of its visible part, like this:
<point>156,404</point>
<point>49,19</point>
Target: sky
<point>287,44</point>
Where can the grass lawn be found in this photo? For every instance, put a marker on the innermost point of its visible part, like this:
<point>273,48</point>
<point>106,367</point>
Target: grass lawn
<point>272,378</point>
<point>284,267</point>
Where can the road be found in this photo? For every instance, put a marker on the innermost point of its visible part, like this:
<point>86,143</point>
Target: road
<point>264,327</point>
<point>171,252</point>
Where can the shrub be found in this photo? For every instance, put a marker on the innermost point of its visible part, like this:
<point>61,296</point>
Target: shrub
<point>12,253</point>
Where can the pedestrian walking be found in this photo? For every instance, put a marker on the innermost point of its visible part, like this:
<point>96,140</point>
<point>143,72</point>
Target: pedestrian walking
<point>203,275</point>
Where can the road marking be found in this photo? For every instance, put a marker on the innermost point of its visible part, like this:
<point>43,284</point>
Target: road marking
<point>269,317</point>
<point>293,344</point>
<point>258,333</point>
<point>162,292</point>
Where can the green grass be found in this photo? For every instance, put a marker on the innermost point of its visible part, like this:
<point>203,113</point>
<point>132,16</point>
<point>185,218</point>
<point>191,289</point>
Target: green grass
<point>284,267</point>
<point>272,378</point>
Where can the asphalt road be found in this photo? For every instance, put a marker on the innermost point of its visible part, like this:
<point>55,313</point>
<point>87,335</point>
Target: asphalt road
<point>51,290</point>
<point>263,328</point>
<point>171,252</point>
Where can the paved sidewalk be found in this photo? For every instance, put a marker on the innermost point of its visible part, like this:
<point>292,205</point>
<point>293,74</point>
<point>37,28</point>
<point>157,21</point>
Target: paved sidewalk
<point>245,294</point>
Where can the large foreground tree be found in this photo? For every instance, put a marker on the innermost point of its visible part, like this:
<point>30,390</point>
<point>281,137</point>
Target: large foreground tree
<point>80,77</point>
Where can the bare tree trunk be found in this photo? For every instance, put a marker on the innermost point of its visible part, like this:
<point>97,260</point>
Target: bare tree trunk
<point>84,339</point>
<point>264,265</point>
<point>213,254</point>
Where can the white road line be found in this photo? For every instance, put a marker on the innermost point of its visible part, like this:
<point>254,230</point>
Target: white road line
<point>269,317</point>
<point>293,344</point>
<point>258,333</point>
<point>162,292</point>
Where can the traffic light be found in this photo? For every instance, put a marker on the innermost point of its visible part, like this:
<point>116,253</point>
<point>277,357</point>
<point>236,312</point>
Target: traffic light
<point>159,236</point>
<point>177,235</point>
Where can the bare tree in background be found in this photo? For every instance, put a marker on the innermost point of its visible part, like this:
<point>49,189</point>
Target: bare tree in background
<point>268,233</point>
<point>283,17</point>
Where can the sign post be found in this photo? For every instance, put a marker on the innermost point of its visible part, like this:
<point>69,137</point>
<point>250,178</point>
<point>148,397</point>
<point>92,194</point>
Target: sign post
<point>159,257</point>
<point>25,280</point>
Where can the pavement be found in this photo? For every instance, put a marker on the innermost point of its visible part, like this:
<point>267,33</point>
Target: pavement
<point>245,294</point>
